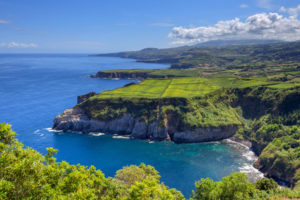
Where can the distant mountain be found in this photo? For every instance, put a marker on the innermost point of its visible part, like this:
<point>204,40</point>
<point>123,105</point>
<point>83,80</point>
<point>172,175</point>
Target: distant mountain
<point>222,43</point>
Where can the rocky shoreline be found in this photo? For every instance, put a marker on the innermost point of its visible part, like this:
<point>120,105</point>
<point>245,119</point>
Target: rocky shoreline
<point>74,120</point>
<point>77,121</point>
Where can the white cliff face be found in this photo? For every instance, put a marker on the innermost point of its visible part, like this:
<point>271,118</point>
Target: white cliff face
<point>75,120</point>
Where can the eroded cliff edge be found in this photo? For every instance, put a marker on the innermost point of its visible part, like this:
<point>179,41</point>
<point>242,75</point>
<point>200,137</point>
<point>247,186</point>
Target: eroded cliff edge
<point>155,119</point>
<point>76,119</point>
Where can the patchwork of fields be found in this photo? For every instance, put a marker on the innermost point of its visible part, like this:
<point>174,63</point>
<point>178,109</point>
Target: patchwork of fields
<point>180,87</point>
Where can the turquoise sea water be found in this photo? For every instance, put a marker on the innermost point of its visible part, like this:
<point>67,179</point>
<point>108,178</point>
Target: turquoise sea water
<point>34,88</point>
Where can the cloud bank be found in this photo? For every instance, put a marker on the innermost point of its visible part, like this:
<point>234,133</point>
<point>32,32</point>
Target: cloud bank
<point>291,11</point>
<point>18,45</point>
<point>258,26</point>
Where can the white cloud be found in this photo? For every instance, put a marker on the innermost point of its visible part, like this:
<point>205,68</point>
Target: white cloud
<point>18,45</point>
<point>291,11</point>
<point>258,26</point>
<point>244,6</point>
<point>4,21</point>
<point>162,24</point>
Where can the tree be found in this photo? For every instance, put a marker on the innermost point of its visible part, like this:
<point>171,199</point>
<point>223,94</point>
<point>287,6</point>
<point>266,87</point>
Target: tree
<point>233,187</point>
<point>150,189</point>
<point>205,189</point>
<point>266,184</point>
<point>130,174</point>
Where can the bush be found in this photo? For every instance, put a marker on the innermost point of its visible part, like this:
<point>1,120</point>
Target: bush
<point>266,184</point>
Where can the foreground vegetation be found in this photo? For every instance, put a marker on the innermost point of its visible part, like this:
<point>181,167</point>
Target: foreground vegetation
<point>26,174</point>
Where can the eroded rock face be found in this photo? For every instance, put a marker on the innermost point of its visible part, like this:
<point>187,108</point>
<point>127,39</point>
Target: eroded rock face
<point>85,97</point>
<point>75,120</point>
<point>277,173</point>
<point>204,134</point>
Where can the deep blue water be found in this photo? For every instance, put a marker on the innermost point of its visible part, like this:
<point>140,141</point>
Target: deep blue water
<point>35,88</point>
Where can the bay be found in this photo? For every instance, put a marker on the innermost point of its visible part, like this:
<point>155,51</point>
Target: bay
<point>34,88</point>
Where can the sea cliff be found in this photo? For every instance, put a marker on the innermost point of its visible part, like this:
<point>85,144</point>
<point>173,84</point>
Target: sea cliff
<point>75,119</point>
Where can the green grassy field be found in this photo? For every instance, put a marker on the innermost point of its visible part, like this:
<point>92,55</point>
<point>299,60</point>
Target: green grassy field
<point>181,87</point>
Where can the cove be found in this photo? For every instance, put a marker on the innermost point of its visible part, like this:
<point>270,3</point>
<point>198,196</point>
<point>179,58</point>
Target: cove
<point>34,88</point>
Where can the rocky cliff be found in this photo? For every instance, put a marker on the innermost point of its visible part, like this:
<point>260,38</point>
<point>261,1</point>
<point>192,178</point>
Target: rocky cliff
<point>77,120</point>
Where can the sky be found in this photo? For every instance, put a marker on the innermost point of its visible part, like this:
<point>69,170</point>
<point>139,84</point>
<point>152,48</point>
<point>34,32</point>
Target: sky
<point>99,26</point>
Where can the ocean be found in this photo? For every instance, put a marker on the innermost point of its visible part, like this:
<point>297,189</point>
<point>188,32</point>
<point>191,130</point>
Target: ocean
<point>34,88</point>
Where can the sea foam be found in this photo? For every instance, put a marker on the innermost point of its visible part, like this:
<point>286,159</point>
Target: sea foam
<point>248,168</point>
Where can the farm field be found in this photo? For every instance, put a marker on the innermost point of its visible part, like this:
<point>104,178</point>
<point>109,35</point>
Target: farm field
<point>181,87</point>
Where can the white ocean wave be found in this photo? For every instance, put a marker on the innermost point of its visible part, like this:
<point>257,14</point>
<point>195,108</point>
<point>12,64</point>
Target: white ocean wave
<point>52,130</point>
<point>248,168</point>
<point>120,137</point>
<point>96,134</point>
<point>250,155</point>
<point>37,131</point>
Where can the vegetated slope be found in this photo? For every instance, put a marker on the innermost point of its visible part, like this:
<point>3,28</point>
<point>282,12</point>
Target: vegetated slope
<point>26,174</point>
<point>223,43</point>
<point>234,56</point>
<point>278,61</point>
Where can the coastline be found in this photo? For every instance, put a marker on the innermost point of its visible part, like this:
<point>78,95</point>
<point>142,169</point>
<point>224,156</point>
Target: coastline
<point>244,146</point>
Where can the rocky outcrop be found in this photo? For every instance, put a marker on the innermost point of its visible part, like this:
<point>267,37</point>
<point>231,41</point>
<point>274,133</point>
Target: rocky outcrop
<point>276,172</point>
<point>85,97</point>
<point>204,134</point>
<point>76,120</point>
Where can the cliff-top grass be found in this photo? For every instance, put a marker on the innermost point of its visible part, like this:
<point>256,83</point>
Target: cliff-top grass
<point>180,87</point>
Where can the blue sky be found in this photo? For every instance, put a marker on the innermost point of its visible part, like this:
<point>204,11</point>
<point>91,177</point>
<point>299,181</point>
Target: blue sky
<point>95,26</point>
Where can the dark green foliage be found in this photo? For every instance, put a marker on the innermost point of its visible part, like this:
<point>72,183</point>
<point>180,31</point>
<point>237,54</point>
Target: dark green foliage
<point>267,184</point>
<point>281,157</point>
<point>236,187</point>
